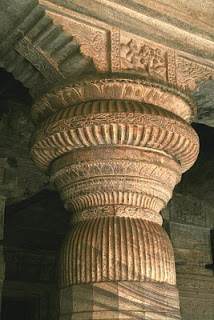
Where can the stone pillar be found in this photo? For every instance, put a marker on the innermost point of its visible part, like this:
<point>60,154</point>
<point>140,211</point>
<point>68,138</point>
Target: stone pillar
<point>2,264</point>
<point>115,148</point>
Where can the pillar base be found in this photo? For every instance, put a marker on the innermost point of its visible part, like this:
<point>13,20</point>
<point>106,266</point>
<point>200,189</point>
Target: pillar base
<point>120,300</point>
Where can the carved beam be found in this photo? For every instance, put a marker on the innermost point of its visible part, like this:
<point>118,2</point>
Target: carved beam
<point>56,41</point>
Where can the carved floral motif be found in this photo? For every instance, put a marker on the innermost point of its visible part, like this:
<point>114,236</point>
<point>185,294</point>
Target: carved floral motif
<point>147,91</point>
<point>92,40</point>
<point>188,73</point>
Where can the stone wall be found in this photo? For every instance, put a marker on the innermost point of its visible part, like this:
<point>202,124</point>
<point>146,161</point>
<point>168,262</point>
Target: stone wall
<point>2,265</point>
<point>188,221</point>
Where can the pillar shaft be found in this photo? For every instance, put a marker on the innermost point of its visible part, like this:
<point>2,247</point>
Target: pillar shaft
<point>115,149</point>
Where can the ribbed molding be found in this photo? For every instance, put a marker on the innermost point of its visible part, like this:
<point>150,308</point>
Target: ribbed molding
<point>114,123</point>
<point>116,248</point>
<point>93,199</point>
<point>113,88</point>
<point>141,179</point>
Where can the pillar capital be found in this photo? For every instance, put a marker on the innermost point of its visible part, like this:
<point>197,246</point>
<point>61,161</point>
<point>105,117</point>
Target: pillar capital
<point>115,147</point>
<point>116,132</point>
<point>119,87</point>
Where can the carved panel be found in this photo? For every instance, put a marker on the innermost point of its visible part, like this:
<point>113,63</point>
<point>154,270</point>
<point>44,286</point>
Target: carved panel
<point>171,67</point>
<point>30,266</point>
<point>39,60</point>
<point>189,72</point>
<point>115,50</point>
<point>188,210</point>
<point>93,41</point>
<point>143,56</point>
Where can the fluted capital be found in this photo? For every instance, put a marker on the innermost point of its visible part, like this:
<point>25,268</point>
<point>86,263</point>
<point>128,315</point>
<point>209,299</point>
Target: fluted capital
<point>115,142</point>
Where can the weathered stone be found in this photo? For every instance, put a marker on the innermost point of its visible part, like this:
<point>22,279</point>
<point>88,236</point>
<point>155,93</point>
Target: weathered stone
<point>2,261</point>
<point>190,237</point>
<point>118,300</point>
<point>195,283</point>
<point>200,305</point>
<point>187,210</point>
<point>204,95</point>
<point>194,257</point>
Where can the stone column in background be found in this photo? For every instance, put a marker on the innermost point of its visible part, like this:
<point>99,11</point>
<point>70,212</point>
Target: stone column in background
<point>2,264</point>
<point>115,148</point>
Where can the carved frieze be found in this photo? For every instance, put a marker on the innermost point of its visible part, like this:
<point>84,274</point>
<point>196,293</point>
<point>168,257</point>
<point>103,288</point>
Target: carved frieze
<point>93,41</point>
<point>62,42</point>
<point>41,61</point>
<point>141,56</point>
<point>189,73</point>
<point>131,89</point>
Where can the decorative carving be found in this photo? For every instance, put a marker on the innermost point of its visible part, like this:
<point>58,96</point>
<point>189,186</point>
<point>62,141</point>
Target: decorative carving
<point>143,57</point>
<point>42,37</point>
<point>189,72</point>
<point>188,210</point>
<point>92,41</point>
<point>115,50</point>
<point>171,67</point>
<point>36,56</point>
<point>64,131</point>
<point>147,91</point>
<point>115,210</point>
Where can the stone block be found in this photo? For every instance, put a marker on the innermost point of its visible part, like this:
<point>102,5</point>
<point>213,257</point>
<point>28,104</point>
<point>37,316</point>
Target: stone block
<point>187,210</point>
<point>193,257</point>
<point>119,300</point>
<point>209,216</point>
<point>190,237</point>
<point>82,298</point>
<point>66,296</point>
<point>195,283</point>
<point>105,296</point>
<point>159,316</point>
<point>2,206</point>
<point>197,308</point>
<point>184,268</point>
